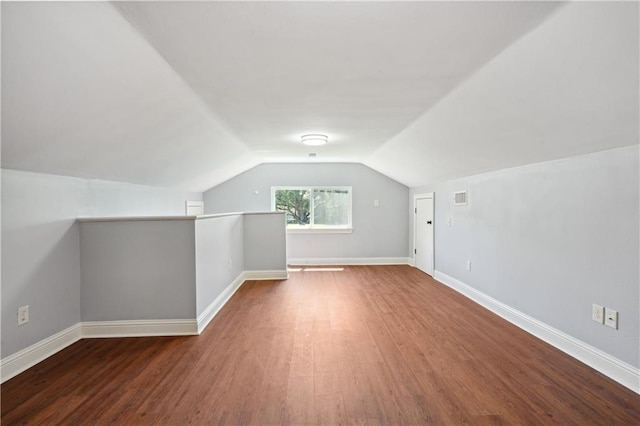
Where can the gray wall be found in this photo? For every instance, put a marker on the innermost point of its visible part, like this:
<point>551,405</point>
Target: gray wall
<point>171,269</point>
<point>265,242</point>
<point>549,240</point>
<point>218,241</point>
<point>120,199</point>
<point>40,256</point>
<point>377,231</point>
<point>41,247</point>
<point>138,270</point>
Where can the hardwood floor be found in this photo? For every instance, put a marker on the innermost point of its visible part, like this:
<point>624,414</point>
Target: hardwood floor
<point>376,345</point>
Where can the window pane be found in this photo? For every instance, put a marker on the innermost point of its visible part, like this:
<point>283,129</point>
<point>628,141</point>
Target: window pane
<point>331,207</point>
<point>295,202</point>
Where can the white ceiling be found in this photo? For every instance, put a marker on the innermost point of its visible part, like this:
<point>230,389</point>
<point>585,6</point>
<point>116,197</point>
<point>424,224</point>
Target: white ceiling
<point>189,94</point>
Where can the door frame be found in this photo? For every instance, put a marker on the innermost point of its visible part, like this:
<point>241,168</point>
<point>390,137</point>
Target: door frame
<point>416,197</point>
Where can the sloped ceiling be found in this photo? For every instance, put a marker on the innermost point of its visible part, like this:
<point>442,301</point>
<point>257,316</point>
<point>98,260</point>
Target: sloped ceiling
<point>189,94</point>
<point>570,87</point>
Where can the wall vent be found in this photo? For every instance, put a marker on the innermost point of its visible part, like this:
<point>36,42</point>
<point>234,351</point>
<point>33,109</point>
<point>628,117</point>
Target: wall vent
<point>460,198</point>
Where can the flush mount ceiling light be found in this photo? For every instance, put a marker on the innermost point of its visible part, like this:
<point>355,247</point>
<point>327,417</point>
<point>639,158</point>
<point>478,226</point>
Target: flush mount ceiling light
<point>314,139</point>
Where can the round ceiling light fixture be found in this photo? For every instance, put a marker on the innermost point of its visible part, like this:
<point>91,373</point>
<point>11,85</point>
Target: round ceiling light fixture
<point>314,139</point>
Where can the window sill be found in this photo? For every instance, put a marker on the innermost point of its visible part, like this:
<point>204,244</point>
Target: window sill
<point>319,230</point>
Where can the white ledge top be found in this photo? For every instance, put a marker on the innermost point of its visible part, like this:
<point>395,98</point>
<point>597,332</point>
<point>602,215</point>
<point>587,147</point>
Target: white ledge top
<point>134,218</point>
<point>163,218</point>
<point>211,216</point>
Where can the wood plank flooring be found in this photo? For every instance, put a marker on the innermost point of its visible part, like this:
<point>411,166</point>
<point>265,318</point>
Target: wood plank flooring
<point>369,345</point>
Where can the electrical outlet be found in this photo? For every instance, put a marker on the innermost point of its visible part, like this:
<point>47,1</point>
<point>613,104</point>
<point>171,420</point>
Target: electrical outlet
<point>468,265</point>
<point>449,221</point>
<point>23,315</point>
<point>597,313</point>
<point>611,318</point>
<point>230,264</point>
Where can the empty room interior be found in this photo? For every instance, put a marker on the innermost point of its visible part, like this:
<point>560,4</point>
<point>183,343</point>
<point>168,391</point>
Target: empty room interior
<point>286,212</point>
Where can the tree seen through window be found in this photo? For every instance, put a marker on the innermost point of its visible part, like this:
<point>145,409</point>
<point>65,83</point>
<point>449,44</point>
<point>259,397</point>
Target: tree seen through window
<point>325,207</point>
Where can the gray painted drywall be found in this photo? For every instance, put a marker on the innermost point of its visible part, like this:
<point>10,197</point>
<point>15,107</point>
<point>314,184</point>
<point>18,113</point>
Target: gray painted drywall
<point>41,245</point>
<point>138,270</point>
<point>40,256</point>
<point>218,241</point>
<point>377,231</point>
<point>549,240</point>
<point>265,242</point>
<point>66,277</point>
<point>119,199</point>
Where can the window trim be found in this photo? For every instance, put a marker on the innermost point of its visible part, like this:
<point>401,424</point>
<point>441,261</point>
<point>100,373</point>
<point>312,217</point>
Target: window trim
<point>316,229</point>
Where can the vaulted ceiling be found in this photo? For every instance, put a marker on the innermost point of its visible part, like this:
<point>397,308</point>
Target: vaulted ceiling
<point>189,94</point>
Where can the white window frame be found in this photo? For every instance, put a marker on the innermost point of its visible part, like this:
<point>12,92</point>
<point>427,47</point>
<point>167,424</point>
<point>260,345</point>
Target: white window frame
<point>312,229</point>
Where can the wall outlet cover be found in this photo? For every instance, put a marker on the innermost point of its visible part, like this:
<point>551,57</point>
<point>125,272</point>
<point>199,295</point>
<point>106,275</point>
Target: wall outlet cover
<point>23,315</point>
<point>597,313</point>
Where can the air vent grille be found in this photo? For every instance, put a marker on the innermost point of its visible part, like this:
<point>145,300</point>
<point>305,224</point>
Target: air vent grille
<point>460,198</point>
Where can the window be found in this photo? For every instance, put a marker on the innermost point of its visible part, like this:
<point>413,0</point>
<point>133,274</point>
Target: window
<point>315,209</point>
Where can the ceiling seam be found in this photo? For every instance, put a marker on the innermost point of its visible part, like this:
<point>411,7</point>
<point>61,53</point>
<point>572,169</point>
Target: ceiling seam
<point>462,82</point>
<point>196,95</point>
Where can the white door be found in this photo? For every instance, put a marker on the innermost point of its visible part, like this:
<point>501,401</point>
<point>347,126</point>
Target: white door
<point>423,234</point>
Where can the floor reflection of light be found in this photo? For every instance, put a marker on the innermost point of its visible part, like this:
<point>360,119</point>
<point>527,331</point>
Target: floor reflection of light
<point>323,269</point>
<point>313,269</point>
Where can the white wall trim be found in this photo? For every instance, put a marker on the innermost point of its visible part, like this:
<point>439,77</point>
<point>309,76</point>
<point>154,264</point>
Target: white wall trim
<point>139,328</point>
<point>266,275</point>
<point>350,261</point>
<point>20,361</point>
<point>212,310</point>
<point>618,370</point>
<point>207,315</point>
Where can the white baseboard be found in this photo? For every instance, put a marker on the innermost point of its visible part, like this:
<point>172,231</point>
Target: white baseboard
<point>266,275</point>
<point>207,315</point>
<point>350,261</point>
<point>623,373</point>
<point>18,362</point>
<point>139,328</point>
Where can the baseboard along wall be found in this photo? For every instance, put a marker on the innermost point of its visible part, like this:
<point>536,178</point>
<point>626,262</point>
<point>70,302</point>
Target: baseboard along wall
<point>28,357</point>
<point>620,371</point>
<point>22,360</point>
